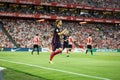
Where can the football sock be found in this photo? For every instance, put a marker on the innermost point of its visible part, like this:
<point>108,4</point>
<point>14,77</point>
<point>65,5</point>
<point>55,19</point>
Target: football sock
<point>38,51</point>
<point>86,51</point>
<point>91,52</point>
<point>53,54</point>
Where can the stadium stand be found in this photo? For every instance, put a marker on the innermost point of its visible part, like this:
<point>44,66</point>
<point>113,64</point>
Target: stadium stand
<point>4,41</point>
<point>32,9</point>
<point>22,30</point>
<point>96,3</point>
<point>104,35</point>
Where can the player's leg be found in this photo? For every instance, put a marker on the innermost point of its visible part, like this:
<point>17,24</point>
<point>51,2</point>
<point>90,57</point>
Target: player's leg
<point>56,50</point>
<point>67,52</point>
<point>69,47</point>
<point>87,49</point>
<point>33,49</point>
<point>55,53</point>
<point>37,49</point>
<point>52,53</point>
<point>91,50</point>
<point>65,46</point>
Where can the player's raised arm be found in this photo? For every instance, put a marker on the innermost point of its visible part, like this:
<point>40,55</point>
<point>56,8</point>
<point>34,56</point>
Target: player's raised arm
<point>62,32</point>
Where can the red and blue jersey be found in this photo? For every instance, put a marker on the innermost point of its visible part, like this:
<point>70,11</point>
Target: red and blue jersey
<point>65,38</point>
<point>56,37</point>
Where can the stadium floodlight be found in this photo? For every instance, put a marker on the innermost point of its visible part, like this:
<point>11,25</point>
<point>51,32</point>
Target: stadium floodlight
<point>81,13</point>
<point>41,20</point>
<point>83,22</point>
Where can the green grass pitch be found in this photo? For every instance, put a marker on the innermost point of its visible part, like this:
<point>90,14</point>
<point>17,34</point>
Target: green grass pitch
<point>79,66</point>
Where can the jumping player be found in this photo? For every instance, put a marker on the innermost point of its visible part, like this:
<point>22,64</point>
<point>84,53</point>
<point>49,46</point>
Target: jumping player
<point>56,43</point>
<point>36,44</point>
<point>89,44</point>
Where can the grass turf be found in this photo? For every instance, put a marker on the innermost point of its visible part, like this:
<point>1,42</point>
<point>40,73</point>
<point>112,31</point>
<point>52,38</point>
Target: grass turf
<point>106,65</point>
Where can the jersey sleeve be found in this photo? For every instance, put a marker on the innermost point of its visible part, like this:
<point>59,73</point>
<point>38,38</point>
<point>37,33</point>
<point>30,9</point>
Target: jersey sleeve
<point>57,30</point>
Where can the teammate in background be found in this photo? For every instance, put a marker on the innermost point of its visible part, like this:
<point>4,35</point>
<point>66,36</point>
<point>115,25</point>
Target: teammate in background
<point>66,43</point>
<point>36,44</point>
<point>56,43</point>
<point>89,44</point>
<point>70,42</point>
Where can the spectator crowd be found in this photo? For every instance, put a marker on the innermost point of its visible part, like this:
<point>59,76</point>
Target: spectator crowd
<point>95,3</point>
<point>47,10</point>
<point>23,31</point>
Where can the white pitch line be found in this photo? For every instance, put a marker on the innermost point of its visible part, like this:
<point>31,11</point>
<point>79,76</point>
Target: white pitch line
<point>58,70</point>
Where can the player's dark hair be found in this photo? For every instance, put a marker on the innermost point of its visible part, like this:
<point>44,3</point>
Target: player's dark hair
<point>90,34</point>
<point>36,34</point>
